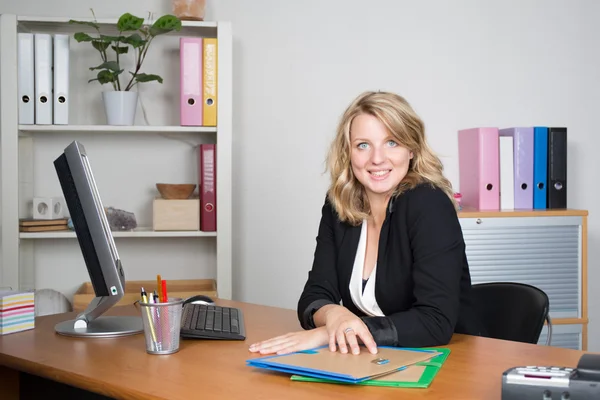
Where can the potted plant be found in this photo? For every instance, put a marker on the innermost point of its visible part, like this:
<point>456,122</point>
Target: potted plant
<point>120,103</point>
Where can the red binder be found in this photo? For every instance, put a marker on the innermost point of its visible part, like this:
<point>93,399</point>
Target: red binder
<point>207,174</point>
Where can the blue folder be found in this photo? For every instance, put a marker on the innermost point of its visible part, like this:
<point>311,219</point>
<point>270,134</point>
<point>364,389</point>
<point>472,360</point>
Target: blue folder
<point>322,363</point>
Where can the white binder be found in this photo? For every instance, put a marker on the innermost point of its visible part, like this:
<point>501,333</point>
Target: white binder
<point>43,78</point>
<point>25,78</point>
<point>61,79</point>
<point>507,173</point>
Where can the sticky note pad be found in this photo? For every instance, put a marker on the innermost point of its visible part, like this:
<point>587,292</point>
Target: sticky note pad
<point>17,311</point>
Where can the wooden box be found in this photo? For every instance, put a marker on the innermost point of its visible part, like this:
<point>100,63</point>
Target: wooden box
<point>176,215</point>
<point>175,288</point>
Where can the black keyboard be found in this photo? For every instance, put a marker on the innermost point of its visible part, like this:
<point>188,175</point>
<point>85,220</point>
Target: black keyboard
<point>201,321</point>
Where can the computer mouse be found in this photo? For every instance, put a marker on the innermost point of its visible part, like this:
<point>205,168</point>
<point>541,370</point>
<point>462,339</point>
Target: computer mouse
<point>200,299</point>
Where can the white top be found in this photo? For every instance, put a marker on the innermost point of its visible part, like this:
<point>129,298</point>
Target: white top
<point>364,300</point>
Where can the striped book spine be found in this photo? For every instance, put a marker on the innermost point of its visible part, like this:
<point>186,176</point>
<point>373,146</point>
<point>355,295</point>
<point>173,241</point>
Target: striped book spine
<point>17,311</point>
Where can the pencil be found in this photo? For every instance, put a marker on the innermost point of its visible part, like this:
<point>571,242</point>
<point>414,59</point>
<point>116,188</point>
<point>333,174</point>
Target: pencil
<point>159,287</point>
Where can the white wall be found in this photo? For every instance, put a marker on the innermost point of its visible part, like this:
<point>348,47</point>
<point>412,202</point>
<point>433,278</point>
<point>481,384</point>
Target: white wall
<point>461,64</point>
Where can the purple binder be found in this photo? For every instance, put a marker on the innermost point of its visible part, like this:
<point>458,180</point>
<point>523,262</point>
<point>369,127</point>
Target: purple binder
<point>523,167</point>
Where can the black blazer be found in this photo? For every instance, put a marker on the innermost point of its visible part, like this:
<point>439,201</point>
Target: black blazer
<point>423,284</point>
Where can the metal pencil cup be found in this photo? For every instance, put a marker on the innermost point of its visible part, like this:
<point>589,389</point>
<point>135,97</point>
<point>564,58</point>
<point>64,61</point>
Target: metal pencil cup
<point>162,325</point>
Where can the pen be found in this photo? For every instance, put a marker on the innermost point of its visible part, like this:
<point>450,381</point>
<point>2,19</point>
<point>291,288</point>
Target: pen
<point>156,314</point>
<point>164,291</point>
<point>150,319</point>
<point>165,322</point>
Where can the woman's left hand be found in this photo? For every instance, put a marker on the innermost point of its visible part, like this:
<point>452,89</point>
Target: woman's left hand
<point>291,342</point>
<point>346,329</point>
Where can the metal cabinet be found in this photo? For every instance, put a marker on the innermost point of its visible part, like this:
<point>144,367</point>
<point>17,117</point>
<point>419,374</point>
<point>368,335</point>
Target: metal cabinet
<point>545,248</point>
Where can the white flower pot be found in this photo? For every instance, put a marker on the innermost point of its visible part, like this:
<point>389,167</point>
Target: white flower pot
<point>120,107</point>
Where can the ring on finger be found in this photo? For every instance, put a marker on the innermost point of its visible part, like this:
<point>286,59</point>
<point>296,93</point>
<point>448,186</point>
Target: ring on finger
<point>348,330</point>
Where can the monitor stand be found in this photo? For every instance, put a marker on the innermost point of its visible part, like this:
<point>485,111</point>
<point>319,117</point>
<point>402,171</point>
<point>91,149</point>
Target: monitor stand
<point>105,326</point>
<point>91,323</point>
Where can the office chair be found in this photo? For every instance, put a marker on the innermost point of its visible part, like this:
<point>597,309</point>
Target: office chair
<point>513,311</point>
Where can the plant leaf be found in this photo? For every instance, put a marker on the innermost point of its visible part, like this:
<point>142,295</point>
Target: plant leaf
<point>129,22</point>
<point>135,40</point>
<point>82,37</point>
<point>106,76</point>
<point>120,49</point>
<point>148,78</point>
<point>88,23</point>
<point>165,24</point>
<point>109,39</point>
<point>110,65</point>
<point>100,45</point>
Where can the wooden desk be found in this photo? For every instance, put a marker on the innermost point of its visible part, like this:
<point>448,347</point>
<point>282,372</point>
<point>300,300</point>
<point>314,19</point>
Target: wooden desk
<point>121,368</point>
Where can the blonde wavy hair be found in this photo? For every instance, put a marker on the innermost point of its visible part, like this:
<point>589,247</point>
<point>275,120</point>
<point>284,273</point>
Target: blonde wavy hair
<point>345,192</point>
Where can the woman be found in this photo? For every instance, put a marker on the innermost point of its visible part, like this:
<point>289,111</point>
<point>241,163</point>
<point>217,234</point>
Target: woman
<point>389,246</point>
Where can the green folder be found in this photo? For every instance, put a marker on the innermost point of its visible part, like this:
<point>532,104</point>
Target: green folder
<point>406,378</point>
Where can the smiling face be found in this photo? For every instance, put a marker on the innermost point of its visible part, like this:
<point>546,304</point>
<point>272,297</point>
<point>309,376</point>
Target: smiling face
<point>378,161</point>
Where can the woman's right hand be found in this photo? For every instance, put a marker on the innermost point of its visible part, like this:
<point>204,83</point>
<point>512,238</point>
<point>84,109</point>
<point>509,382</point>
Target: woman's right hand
<point>345,329</point>
<point>291,342</point>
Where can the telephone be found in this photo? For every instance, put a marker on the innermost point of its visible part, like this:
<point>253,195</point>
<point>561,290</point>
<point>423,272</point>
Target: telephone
<point>552,382</point>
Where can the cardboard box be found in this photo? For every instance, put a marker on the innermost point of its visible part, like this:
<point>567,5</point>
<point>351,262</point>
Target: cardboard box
<point>176,215</point>
<point>176,288</point>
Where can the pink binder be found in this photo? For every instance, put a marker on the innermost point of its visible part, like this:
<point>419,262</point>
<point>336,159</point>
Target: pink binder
<point>190,55</point>
<point>478,166</point>
<point>523,164</point>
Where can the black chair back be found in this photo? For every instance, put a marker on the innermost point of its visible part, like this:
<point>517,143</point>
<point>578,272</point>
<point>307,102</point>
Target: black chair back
<point>513,311</point>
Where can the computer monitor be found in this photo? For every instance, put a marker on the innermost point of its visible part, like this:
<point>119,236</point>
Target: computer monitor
<point>97,247</point>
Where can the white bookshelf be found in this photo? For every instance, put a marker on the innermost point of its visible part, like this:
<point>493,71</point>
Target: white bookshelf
<point>115,129</point>
<point>18,151</point>
<point>34,24</point>
<point>139,232</point>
